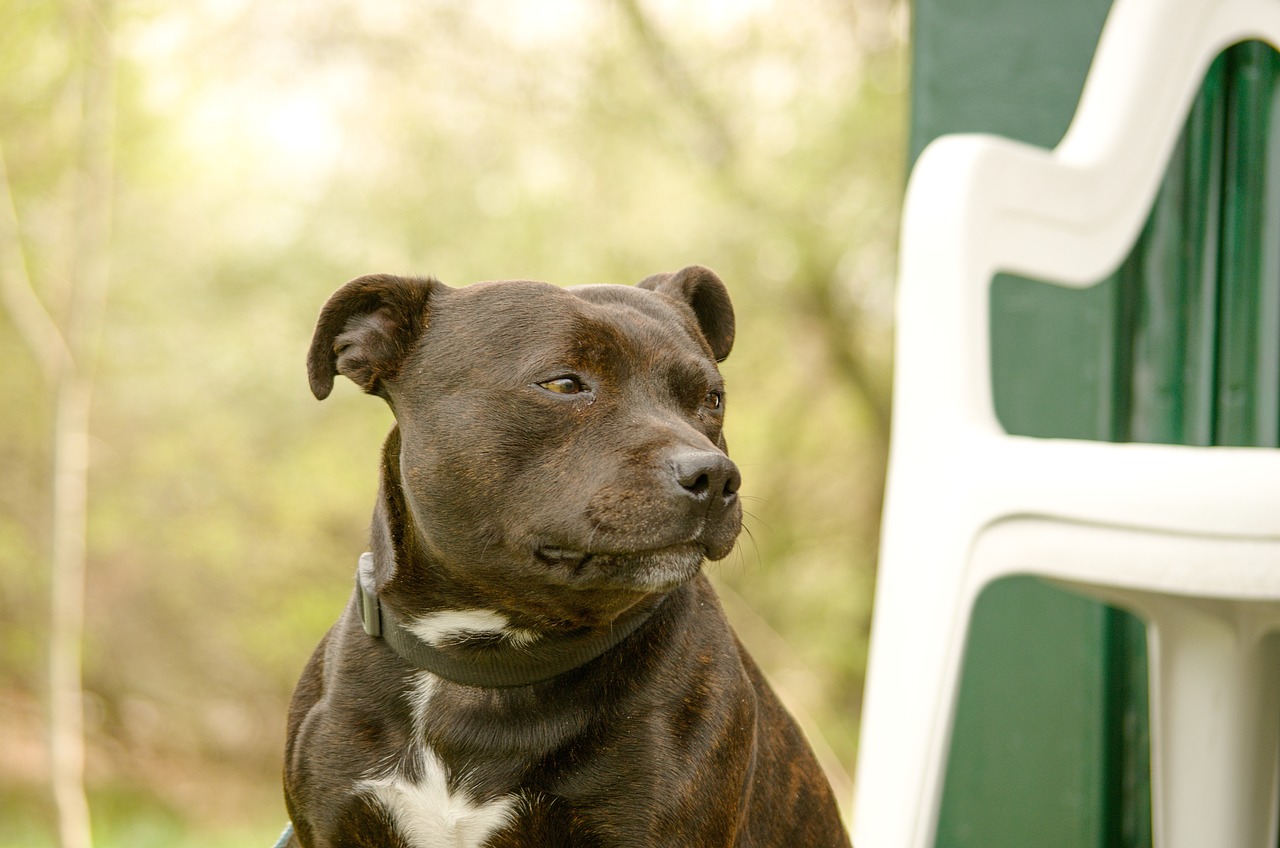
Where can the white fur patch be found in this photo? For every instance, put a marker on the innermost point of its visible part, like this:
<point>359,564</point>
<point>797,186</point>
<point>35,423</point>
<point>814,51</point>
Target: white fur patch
<point>448,626</point>
<point>424,686</point>
<point>426,812</point>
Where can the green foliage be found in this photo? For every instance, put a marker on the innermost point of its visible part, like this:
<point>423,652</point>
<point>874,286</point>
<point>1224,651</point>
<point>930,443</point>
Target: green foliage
<point>129,816</point>
<point>268,152</point>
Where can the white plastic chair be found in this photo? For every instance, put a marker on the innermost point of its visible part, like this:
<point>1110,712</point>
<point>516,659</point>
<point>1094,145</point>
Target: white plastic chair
<point>1187,538</point>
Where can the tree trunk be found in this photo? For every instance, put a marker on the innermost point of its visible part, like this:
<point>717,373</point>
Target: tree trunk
<point>66,621</point>
<point>83,331</point>
<point>67,352</point>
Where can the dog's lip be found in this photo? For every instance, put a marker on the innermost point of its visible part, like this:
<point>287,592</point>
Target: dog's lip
<point>557,555</point>
<point>644,570</point>
<point>562,556</point>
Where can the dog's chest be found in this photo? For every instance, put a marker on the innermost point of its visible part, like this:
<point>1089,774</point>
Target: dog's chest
<point>428,806</point>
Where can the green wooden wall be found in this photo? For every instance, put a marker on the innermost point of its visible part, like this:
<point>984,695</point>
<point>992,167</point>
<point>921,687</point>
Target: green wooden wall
<point>1182,345</point>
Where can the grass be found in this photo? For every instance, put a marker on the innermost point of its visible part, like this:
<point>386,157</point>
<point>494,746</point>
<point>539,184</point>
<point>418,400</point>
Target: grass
<point>128,818</point>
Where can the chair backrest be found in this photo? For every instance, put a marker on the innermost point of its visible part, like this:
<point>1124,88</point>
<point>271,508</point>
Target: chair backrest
<point>978,205</point>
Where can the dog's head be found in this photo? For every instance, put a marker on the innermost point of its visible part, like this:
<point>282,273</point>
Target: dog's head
<point>567,436</point>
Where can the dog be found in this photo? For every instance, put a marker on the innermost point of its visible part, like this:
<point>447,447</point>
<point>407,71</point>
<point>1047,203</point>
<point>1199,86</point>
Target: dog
<point>532,656</point>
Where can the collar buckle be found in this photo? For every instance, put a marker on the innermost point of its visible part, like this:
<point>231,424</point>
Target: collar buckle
<point>370,609</point>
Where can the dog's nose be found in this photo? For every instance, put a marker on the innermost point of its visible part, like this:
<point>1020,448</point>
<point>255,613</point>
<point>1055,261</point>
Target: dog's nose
<point>706,474</point>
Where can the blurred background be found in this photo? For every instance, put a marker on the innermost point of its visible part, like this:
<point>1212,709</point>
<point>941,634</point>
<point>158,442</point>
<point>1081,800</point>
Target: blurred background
<point>182,186</point>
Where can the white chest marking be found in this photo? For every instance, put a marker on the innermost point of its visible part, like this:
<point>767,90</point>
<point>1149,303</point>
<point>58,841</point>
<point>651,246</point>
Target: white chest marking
<point>426,812</point>
<point>446,626</point>
<point>428,815</point>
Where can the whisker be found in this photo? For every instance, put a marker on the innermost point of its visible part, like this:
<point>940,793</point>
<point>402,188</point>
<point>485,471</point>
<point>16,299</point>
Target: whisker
<point>755,547</point>
<point>756,518</point>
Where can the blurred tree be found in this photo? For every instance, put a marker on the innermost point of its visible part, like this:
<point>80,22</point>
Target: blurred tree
<point>266,152</point>
<point>798,207</point>
<point>66,349</point>
<point>817,277</point>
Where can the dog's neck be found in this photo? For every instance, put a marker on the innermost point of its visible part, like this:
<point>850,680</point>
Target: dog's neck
<point>445,633</point>
<point>476,648</point>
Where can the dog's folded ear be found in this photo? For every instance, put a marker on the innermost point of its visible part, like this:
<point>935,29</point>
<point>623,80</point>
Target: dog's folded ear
<point>707,296</point>
<point>366,329</point>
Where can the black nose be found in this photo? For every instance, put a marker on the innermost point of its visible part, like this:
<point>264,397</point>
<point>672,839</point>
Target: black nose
<point>706,474</point>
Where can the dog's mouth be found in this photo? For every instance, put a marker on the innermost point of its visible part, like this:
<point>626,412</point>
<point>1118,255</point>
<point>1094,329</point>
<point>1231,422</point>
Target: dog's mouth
<point>562,557</point>
<point>655,570</point>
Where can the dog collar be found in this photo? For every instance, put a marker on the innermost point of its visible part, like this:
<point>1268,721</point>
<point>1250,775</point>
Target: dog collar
<point>488,665</point>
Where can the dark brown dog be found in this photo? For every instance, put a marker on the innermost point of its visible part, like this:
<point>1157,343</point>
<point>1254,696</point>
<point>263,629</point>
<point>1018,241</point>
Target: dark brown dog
<point>532,656</point>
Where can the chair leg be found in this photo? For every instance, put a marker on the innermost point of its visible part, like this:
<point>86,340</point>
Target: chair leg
<point>916,651</point>
<point>1215,724</point>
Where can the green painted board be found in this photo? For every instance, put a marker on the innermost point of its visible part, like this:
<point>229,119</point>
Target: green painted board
<point>1028,753</point>
<point>1041,331</point>
<point>1170,281</point>
<point>1010,67</point>
<point>1249,302</point>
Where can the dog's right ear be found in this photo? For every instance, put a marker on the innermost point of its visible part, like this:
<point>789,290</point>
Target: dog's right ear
<point>707,296</point>
<point>366,329</point>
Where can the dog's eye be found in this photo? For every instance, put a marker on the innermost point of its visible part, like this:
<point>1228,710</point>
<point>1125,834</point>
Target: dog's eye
<point>713,400</point>
<point>563,385</point>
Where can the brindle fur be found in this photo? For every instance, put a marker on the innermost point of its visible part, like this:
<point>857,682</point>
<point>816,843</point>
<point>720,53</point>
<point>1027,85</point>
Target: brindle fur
<point>670,738</point>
